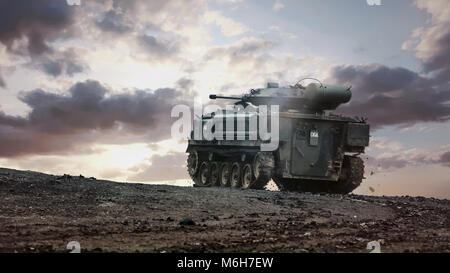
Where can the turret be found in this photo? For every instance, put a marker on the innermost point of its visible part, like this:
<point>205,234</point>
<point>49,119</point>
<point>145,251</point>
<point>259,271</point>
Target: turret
<point>315,97</point>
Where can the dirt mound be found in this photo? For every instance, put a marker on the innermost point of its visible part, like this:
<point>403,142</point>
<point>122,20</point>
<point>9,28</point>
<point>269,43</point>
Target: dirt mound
<point>43,213</point>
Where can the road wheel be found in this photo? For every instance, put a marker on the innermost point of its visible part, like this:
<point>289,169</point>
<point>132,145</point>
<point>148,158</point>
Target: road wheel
<point>225,174</point>
<point>247,176</point>
<point>192,163</point>
<point>214,175</point>
<point>204,174</point>
<point>236,174</point>
<point>263,168</point>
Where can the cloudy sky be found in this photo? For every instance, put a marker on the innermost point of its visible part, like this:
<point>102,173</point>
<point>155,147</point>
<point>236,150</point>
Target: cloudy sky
<point>88,89</point>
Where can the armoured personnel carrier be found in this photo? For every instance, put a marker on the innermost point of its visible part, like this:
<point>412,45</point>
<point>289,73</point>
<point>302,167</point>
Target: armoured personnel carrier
<point>317,151</point>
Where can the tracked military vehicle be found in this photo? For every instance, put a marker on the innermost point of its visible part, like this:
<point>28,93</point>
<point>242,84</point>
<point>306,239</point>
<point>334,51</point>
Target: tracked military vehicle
<point>317,151</point>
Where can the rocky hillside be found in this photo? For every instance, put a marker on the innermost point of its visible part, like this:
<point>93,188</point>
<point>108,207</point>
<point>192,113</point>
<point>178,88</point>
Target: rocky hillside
<point>43,213</point>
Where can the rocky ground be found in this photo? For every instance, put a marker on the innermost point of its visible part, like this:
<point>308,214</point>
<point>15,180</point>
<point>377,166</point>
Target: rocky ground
<point>43,213</point>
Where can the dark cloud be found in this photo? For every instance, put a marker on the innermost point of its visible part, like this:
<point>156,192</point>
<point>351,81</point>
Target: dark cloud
<point>185,83</point>
<point>115,22</point>
<point>2,82</point>
<point>445,159</point>
<point>249,49</point>
<point>59,63</point>
<point>164,167</point>
<point>376,78</point>
<point>179,11</point>
<point>134,5</point>
<point>38,21</point>
<point>401,160</point>
<point>439,46</point>
<point>158,47</point>
<point>60,122</point>
<point>393,96</point>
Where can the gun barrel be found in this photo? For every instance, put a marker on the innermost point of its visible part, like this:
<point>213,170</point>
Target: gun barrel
<point>213,97</point>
